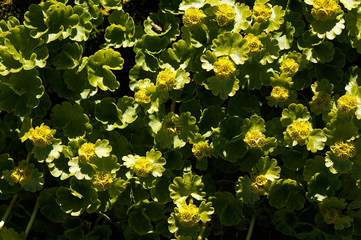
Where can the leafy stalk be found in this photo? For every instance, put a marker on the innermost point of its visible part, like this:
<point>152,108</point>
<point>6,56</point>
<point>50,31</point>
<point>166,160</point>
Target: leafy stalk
<point>8,210</point>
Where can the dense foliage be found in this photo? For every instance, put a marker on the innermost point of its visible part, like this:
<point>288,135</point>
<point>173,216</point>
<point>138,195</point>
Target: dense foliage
<point>204,119</point>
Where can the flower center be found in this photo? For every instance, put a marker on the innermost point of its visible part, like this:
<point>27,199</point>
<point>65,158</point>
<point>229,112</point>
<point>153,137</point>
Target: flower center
<point>324,10</point>
<point>347,104</point>
<point>166,80</point>
<point>254,44</point>
<point>289,66</point>
<point>224,14</point>
<point>261,13</point>
<point>255,139</point>
<point>331,216</point>
<point>193,17</point>
<point>41,136</point>
<point>224,68</point>
<point>344,150</point>
<point>201,150</point>
<point>20,175</point>
<point>141,96</point>
<point>280,94</point>
<point>189,214</point>
<point>321,102</point>
<point>86,153</point>
<point>143,167</point>
<point>102,181</point>
<point>299,130</point>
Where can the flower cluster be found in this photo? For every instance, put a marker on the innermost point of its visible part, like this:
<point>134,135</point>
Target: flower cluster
<point>261,13</point>
<point>255,139</point>
<point>224,68</point>
<point>299,130</point>
<point>254,44</point>
<point>188,214</point>
<point>347,104</point>
<point>166,80</point>
<point>201,150</point>
<point>86,153</point>
<point>289,66</point>
<point>102,180</point>
<point>40,136</point>
<point>193,17</point>
<point>344,150</point>
<point>224,14</point>
<point>324,10</point>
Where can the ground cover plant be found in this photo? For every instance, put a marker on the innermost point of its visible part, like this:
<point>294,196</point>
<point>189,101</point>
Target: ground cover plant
<point>180,119</point>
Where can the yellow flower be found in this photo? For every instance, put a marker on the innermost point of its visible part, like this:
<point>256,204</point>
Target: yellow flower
<point>254,44</point>
<point>20,175</point>
<point>255,139</point>
<point>166,80</point>
<point>324,10</point>
<point>261,13</point>
<point>347,104</point>
<point>331,216</point>
<point>299,130</point>
<point>188,214</point>
<point>344,150</point>
<point>321,102</point>
<point>193,17</point>
<point>86,153</point>
<point>224,68</point>
<point>280,94</point>
<point>289,66</point>
<point>173,126</point>
<point>201,150</point>
<point>102,181</point>
<point>141,96</point>
<point>260,184</point>
<point>41,136</point>
<point>224,14</point>
<point>143,167</point>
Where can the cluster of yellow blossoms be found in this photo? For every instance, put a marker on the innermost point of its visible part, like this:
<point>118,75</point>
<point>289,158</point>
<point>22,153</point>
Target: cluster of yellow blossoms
<point>299,130</point>
<point>201,150</point>
<point>347,104</point>
<point>166,80</point>
<point>188,214</point>
<point>344,150</point>
<point>143,167</point>
<point>255,139</point>
<point>260,184</point>
<point>324,10</point>
<point>86,153</point>
<point>102,181</point>
<point>224,68</point>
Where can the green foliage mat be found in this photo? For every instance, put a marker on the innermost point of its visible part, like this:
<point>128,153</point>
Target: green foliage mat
<point>180,119</point>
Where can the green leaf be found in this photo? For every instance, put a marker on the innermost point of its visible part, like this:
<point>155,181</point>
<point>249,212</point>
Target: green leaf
<point>82,31</point>
<point>316,141</point>
<point>99,69</point>
<point>350,4</point>
<point>294,112</point>
<point>69,57</point>
<point>211,117</point>
<point>162,24</point>
<point>50,20</point>
<point>70,118</point>
<point>11,234</point>
<point>268,167</point>
<point>78,198</point>
<point>228,208</point>
<point>232,45</point>
<point>100,232</point>
<point>188,185</point>
<point>48,206</point>
<point>244,192</point>
<point>179,55</point>
<point>223,88</point>
<point>329,29</point>
<point>20,92</point>
<point>282,193</point>
<point>140,222</point>
<point>285,222</point>
<point>23,49</point>
<point>185,4</point>
<point>121,31</point>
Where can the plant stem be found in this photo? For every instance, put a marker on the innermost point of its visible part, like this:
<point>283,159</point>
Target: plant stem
<point>172,107</point>
<point>251,225</point>
<point>8,210</point>
<point>32,218</point>
<point>200,236</point>
<point>28,158</point>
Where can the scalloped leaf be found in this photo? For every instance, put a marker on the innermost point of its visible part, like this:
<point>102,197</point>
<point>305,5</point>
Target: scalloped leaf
<point>282,193</point>
<point>50,20</point>
<point>48,206</point>
<point>228,208</point>
<point>244,192</point>
<point>268,167</point>
<point>188,185</point>
<point>82,31</point>
<point>99,69</point>
<point>223,88</point>
<point>78,198</point>
<point>185,4</point>
<point>121,31</point>
<point>294,112</point>
<point>232,45</point>
<point>70,118</point>
<point>69,57</point>
<point>20,92</point>
<point>316,141</point>
<point>162,24</point>
<point>329,29</point>
<point>179,55</point>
